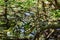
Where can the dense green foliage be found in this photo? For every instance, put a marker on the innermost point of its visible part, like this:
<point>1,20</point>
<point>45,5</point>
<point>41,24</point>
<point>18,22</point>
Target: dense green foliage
<point>26,19</point>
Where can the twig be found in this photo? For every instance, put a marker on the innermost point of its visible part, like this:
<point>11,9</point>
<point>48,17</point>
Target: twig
<point>50,33</point>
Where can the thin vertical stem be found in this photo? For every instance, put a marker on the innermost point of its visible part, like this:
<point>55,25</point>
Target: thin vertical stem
<point>5,9</point>
<point>56,4</point>
<point>37,24</point>
<point>5,14</point>
<point>43,5</point>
